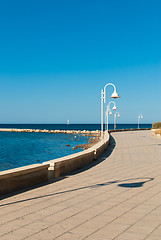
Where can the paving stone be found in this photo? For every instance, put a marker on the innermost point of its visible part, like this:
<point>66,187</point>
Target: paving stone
<point>118,198</point>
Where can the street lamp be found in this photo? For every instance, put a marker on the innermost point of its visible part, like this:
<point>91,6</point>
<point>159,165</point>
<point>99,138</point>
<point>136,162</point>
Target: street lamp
<point>108,111</point>
<point>116,115</point>
<point>103,97</point>
<point>114,107</point>
<point>139,116</point>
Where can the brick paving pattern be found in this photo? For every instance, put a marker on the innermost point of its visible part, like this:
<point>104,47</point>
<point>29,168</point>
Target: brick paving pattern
<point>117,197</point>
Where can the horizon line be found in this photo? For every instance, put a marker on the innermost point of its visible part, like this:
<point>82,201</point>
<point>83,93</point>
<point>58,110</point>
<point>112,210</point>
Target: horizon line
<point>70,123</point>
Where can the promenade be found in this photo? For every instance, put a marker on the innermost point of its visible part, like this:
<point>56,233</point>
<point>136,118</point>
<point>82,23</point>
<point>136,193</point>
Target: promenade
<point>117,197</point>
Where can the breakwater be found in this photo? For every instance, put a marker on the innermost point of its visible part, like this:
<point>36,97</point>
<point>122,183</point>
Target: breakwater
<point>84,132</point>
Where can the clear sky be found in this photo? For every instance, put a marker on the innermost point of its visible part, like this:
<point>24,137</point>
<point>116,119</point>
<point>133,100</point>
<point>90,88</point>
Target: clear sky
<point>57,55</point>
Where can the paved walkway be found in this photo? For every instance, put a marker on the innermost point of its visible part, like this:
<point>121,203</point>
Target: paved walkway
<point>118,198</point>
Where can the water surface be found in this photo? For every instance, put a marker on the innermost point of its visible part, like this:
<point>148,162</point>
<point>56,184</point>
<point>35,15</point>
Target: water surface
<point>19,148</point>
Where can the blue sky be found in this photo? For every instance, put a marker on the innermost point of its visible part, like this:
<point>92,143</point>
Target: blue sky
<point>56,56</point>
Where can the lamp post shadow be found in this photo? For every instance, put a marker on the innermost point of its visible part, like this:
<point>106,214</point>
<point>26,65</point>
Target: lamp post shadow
<point>135,184</point>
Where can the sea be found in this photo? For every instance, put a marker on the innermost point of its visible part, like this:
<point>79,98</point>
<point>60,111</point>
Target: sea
<point>19,149</point>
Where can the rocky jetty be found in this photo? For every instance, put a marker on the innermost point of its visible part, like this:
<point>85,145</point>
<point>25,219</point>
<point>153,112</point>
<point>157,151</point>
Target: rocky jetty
<point>83,132</point>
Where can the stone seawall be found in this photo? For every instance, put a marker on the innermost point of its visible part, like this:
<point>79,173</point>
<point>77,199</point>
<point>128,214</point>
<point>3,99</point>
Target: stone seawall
<point>27,176</point>
<point>61,166</point>
<point>22,177</point>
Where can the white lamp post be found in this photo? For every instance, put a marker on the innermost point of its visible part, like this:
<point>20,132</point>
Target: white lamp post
<point>108,111</point>
<point>139,116</point>
<point>116,115</point>
<point>114,107</point>
<point>103,96</point>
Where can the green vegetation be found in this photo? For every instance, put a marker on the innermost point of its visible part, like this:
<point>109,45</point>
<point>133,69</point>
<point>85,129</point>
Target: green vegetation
<point>156,125</point>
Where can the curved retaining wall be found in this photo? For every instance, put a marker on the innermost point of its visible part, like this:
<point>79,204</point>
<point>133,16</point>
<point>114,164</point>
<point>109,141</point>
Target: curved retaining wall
<point>22,177</point>
<point>27,176</point>
<point>61,166</point>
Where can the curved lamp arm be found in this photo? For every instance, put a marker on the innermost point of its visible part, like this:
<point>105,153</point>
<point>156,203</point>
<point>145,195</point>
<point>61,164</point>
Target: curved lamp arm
<point>140,116</point>
<point>108,85</point>
<point>117,114</point>
<point>114,95</point>
<point>113,104</point>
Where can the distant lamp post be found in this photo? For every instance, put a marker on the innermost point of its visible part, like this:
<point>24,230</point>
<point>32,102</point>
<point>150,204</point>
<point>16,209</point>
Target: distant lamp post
<point>108,111</point>
<point>114,107</point>
<point>103,97</point>
<point>116,115</point>
<point>139,116</point>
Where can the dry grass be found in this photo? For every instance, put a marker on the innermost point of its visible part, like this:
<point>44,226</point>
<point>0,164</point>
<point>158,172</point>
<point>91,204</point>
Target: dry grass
<point>156,125</point>
<point>156,128</point>
<point>158,131</point>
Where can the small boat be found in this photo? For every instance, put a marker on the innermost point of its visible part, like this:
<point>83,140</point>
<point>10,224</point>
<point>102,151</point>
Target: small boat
<point>68,122</point>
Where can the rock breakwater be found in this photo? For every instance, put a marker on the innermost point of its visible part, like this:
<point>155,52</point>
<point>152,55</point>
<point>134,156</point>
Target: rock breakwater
<point>84,132</point>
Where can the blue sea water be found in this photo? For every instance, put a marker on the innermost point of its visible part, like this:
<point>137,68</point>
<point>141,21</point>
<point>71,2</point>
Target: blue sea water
<point>20,148</point>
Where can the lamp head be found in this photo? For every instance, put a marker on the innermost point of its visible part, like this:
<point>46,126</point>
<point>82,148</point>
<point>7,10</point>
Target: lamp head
<point>114,108</point>
<point>118,115</point>
<point>114,95</point>
<point>110,113</point>
<point>141,116</point>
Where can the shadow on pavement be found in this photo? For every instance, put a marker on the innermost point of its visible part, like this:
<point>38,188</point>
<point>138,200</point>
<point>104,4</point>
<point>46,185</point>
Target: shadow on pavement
<point>135,184</point>
<point>103,156</point>
<point>128,185</point>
